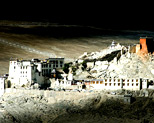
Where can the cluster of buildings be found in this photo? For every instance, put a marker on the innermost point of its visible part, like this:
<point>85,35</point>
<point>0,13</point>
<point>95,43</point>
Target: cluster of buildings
<point>24,73</point>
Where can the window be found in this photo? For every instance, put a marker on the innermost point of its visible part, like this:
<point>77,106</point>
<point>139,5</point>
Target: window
<point>56,62</point>
<point>93,82</point>
<point>105,84</point>
<point>118,80</point>
<point>136,84</point>
<point>132,80</point>
<point>101,82</point>
<point>26,67</point>
<point>123,84</point>
<point>61,62</point>
<point>114,84</point>
<point>61,65</point>
<point>97,82</point>
<point>57,65</point>
<point>109,80</point>
<point>105,80</point>
<point>137,80</point>
<point>127,80</point>
<point>14,67</point>
<point>127,84</point>
<point>118,84</point>
<point>132,84</point>
<point>49,65</point>
<point>110,84</point>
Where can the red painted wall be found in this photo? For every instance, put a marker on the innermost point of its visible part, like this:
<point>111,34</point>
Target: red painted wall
<point>143,45</point>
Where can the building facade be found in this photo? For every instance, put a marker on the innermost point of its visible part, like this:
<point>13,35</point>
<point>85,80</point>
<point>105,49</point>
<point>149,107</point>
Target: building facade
<point>115,84</point>
<point>27,72</point>
<point>2,83</point>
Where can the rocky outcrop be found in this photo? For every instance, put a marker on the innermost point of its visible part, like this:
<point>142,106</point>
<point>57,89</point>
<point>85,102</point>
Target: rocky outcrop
<point>115,63</point>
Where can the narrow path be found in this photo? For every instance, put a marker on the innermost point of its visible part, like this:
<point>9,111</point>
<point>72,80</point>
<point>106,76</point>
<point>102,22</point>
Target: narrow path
<point>32,50</point>
<point>26,48</point>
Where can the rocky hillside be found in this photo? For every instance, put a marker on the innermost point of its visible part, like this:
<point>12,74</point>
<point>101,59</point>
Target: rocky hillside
<point>114,63</point>
<point>98,108</point>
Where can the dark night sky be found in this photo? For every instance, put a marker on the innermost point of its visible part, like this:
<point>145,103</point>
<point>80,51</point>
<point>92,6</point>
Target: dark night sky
<point>126,14</point>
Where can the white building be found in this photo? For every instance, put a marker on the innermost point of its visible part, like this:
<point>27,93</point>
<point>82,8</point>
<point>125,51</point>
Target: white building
<point>114,84</point>
<point>27,72</point>
<point>2,82</point>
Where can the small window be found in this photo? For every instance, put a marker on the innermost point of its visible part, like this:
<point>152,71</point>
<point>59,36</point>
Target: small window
<point>118,84</point>
<point>118,80</point>
<point>110,84</point>
<point>109,80</point>
<point>132,84</point>
<point>114,84</point>
<point>127,80</point>
<point>57,65</point>
<point>105,84</point>
<point>93,82</point>
<point>97,82</point>
<point>132,80</point>
<point>105,80</point>
<point>101,82</point>
<point>61,62</point>
<point>14,67</point>
<point>137,80</point>
<point>123,84</point>
<point>127,84</point>
<point>136,84</point>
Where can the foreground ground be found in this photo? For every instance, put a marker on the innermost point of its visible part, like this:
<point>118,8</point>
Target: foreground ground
<point>92,107</point>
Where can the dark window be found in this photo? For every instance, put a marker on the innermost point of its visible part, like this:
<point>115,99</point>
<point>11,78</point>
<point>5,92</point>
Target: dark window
<point>61,62</point>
